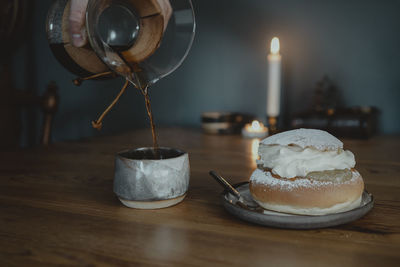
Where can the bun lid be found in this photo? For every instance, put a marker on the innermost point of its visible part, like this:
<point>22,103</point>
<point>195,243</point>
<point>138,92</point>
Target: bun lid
<point>303,138</point>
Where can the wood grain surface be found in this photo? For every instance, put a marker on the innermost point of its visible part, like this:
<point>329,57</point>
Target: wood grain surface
<point>57,208</point>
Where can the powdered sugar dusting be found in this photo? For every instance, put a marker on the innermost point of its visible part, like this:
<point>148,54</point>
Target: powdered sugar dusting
<point>303,138</point>
<point>265,177</point>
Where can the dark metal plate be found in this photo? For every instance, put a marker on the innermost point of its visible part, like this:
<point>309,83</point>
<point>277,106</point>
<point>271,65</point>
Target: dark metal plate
<point>283,220</point>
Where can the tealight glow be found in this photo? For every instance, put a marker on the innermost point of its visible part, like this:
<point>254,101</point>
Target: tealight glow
<point>255,130</point>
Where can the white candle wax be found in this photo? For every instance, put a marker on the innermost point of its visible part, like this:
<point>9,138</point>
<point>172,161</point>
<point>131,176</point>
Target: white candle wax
<point>274,79</point>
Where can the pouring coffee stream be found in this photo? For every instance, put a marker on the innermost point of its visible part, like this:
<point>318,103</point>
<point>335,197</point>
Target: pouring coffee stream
<point>118,28</point>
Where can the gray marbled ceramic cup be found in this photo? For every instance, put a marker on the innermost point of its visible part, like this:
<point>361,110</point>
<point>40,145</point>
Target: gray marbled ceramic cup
<point>143,182</point>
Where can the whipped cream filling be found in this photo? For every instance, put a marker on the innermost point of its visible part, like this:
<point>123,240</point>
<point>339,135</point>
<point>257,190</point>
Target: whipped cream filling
<point>292,161</point>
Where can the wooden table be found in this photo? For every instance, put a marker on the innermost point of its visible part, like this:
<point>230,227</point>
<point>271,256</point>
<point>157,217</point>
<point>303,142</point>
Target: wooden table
<point>57,207</point>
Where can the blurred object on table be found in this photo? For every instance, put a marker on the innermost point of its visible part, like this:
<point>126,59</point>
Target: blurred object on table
<point>327,114</point>
<point>224,122</point>
<point>354,122</point>
<point>326,95</point>
<point>48,104</point>
<point>13,101</point>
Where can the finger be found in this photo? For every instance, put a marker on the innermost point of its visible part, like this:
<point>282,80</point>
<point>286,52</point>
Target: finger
<point>77,22</point>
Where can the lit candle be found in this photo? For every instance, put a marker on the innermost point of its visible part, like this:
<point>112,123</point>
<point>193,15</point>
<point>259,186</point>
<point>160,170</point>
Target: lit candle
<point>255,130</point>
<point>274,79</point>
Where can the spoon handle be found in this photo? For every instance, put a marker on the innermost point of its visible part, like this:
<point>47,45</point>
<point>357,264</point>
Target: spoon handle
<point>225,184</point>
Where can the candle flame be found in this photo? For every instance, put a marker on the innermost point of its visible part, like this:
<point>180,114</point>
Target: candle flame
<point>255,125</point>
<point>275,45</point>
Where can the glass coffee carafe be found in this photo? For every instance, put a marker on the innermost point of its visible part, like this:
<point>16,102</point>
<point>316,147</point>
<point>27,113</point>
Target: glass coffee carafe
<point>149,38</point>
<point>141,40</point>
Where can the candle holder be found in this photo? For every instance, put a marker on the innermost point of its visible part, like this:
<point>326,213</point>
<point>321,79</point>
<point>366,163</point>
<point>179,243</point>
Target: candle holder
<point>272,124</point>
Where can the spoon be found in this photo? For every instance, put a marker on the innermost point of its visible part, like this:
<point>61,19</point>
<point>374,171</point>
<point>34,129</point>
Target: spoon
<point>240,200</point>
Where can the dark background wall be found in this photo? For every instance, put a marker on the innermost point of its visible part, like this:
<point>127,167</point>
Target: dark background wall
<point>355,43</point>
